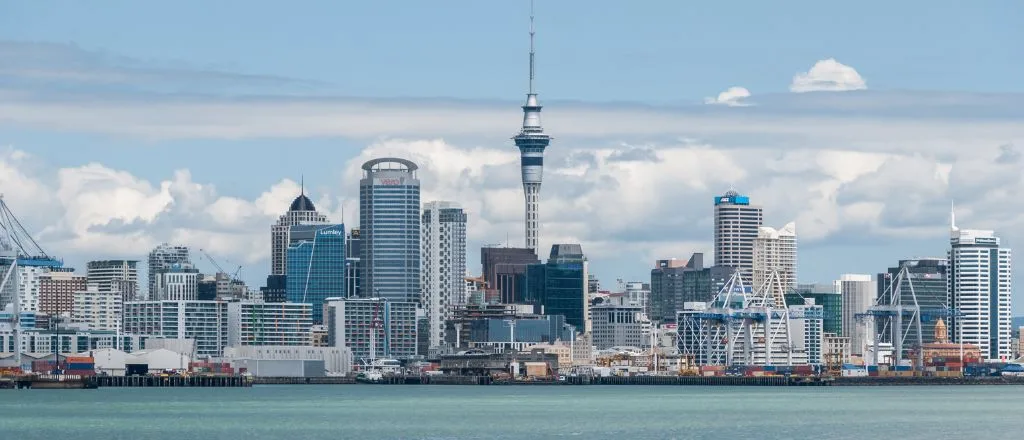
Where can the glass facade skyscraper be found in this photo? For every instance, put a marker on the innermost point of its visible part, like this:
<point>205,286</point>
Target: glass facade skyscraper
<point>674,284</point>
<point>928,276</point>
<point>826,296</point>
<point>560,285</point>
<point>315,266</point>
<point>389,220</point>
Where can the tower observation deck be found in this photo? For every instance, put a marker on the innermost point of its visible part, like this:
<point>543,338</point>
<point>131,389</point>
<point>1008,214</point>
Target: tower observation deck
<point>532,141</point>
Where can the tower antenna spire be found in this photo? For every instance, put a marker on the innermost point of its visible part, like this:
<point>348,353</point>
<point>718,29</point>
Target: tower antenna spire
<point>302,184</point>
<point>532,54</point>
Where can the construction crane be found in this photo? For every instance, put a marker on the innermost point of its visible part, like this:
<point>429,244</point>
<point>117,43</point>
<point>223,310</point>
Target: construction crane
<point>220,269</point>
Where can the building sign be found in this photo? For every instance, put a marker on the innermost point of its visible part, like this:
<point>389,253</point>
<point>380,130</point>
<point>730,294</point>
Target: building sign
<point>389,181</point>
<point>329,232</point>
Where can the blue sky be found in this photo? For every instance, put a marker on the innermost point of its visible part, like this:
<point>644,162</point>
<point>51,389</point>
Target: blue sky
<point>113,99</point>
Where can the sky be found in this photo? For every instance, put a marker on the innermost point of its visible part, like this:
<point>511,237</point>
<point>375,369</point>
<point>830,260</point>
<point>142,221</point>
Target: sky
<point>126,124</point>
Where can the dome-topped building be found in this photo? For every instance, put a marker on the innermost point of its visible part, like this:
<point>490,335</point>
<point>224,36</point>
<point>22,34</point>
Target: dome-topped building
<point>301,212</point>
<point>302,203</point>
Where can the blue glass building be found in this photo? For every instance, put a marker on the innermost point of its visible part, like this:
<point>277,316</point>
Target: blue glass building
<point>560,285</point>
<point>315,265</point>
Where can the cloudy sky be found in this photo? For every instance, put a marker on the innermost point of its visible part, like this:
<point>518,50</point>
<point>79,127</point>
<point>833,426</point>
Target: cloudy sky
<point>126,124</point>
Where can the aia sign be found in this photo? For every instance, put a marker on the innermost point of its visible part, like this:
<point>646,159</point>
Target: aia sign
<point>389,181</point>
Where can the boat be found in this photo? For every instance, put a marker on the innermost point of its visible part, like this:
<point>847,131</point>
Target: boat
<point>372,376</point>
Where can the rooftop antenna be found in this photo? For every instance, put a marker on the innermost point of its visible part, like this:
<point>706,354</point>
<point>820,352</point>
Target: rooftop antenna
<point>302,184</point>
<point>531,47</point>
<point>952,216</point>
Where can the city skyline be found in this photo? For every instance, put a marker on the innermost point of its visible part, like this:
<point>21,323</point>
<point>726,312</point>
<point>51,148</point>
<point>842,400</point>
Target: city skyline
<point>607,188</point>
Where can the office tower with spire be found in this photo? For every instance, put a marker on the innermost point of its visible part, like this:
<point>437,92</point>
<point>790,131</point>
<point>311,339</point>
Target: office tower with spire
<point>301,212</point>
<point>532,142</point>
<point>980,287</point>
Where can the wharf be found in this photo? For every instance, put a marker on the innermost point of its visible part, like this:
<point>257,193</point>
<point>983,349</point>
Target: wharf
<point>173,381</point>
<point>928,380</point>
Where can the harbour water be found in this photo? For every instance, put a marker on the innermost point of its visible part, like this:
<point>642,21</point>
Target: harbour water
<point>369,412</point>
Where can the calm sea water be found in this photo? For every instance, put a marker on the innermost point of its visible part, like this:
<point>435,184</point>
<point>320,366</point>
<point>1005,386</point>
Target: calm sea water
<point>511,412</point>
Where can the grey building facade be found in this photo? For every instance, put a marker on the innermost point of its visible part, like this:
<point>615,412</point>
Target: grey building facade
<point>673,284</point>
<point>389,219</point>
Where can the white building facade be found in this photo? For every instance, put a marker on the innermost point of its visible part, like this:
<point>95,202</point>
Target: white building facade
<point>444,264</point>
<point>280,324</point>
<point>858,292</point>
<point>161,259</point>
<point>97,310</point>
<point>775,252</point>
<point>979,287</point>
<point>180,282</point>
<point>206,322</point>
<point>373,328</point>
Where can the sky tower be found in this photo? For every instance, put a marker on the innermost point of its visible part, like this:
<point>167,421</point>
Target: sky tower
<point>532,141</point>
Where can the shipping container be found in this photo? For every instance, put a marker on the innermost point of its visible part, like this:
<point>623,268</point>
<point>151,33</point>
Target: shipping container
<point>79,360</point>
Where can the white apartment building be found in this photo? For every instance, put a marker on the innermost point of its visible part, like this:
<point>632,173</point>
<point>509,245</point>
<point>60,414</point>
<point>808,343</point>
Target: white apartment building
<point>205,322</point>
<point>443,262</point>
<point>980,288</point>
<point>180,282</point>
<point>161,259</point>
<point>252,323</point>
<point>374,328</point>
<point>97,310</point>
<point>858,292</point>
<point>115,275</point>
<point>775,251</point>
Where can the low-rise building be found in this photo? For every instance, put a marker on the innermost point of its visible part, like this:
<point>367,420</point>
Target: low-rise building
<point>290,361</point>
<point>620,325</point>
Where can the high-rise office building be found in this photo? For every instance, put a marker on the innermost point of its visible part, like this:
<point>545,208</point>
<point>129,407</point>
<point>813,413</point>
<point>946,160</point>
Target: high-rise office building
<point>928,277</point>
<point>389,220</point>
<point>532,141</point>
<point>115,276</point>
<point>736,227</point>
<point>775,256</point>
<point>26,278</point>
<point>858,292</point>
<point>980,288</point>
<point>301,212</point>
<point>162,258</point>
<point>676,282</point>
<point>316,266</point>
<point>560,285</point>
<point>444,265</point>
<point>276,290</point>
<point>504,270</point>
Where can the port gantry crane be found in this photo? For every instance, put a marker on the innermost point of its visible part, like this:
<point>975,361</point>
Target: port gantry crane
<point>17,248</point>
<point>896,317</point>
<point>740,326</point>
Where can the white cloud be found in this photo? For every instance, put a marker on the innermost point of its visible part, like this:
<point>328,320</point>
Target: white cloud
<point>732,97</point>
<point>828,76</point>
